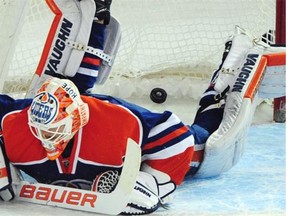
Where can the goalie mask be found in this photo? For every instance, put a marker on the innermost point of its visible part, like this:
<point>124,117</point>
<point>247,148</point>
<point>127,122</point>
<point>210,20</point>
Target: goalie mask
<point>56,114</point>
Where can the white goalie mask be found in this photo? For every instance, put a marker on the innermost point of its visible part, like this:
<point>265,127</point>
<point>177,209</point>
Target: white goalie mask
<point>56,114</point>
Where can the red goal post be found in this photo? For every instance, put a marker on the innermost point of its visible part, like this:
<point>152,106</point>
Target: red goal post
<point>279,111</point>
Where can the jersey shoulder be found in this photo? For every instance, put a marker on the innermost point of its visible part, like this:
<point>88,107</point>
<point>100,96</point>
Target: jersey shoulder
<point>8,104</point>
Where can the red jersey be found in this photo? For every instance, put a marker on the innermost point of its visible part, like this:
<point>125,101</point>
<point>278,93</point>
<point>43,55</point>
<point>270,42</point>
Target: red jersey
<point>166,143</point>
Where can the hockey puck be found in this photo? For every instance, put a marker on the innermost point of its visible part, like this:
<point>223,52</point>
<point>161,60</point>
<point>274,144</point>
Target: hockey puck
<point>158,95</point>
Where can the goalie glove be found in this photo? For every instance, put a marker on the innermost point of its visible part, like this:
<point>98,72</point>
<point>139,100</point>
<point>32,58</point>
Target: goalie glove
<point>146,197</point>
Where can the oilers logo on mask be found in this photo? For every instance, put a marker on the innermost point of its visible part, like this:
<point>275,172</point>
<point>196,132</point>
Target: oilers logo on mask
<point>44,108</point>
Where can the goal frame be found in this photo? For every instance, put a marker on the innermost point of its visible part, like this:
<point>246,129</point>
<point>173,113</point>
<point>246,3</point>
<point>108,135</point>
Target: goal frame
<point>279,106</point>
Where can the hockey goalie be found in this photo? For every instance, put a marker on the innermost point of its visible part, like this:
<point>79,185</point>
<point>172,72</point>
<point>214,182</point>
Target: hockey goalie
<point>101,154</point>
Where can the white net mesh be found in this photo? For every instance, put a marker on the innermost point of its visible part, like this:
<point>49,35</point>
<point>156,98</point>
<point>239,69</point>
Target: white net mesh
<point>170,44</point>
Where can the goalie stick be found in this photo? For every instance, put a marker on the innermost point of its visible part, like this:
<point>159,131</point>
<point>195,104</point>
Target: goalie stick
<point>85,200</point>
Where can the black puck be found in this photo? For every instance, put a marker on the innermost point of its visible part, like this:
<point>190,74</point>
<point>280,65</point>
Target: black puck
<point>158,95</point>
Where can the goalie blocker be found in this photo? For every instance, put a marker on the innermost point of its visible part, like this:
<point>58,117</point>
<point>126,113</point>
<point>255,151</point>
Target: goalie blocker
<point>72,49</point>
<point>250,69</point>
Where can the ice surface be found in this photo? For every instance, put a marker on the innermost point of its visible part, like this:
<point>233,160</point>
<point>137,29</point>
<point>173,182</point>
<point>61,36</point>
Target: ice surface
<point>255,186</point>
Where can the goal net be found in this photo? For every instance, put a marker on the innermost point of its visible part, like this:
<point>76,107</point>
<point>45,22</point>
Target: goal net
<point>170,44</point>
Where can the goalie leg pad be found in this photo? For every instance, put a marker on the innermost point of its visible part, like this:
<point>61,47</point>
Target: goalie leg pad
<point>211,105</point>
<point>69,24</point>
<point>226,145</point>
<point>67,52</point>
<point>97,63</point>
<point>111,46</point>
<point>87,11</point>
<point>238,46</point>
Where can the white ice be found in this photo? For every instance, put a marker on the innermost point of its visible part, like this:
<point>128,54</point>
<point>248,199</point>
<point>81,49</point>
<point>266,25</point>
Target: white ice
<point>255,186</point>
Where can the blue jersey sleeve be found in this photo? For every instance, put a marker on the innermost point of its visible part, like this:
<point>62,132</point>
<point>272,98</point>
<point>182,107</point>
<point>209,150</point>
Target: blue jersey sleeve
<point>8,104</point>
<point>151,119</point>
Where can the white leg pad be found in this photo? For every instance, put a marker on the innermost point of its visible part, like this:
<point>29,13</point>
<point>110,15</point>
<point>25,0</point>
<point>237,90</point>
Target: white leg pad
<point>223,151</point>
<point>226,145</point>
<point>72,22</point>
<point>87,9</point>
<point>111,46</point>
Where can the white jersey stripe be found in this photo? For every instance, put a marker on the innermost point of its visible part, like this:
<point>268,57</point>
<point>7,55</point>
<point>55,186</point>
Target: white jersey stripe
<point>32,162</point>
<point>97,164</point>
<point>173,120</point>
<point>59,166</point>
